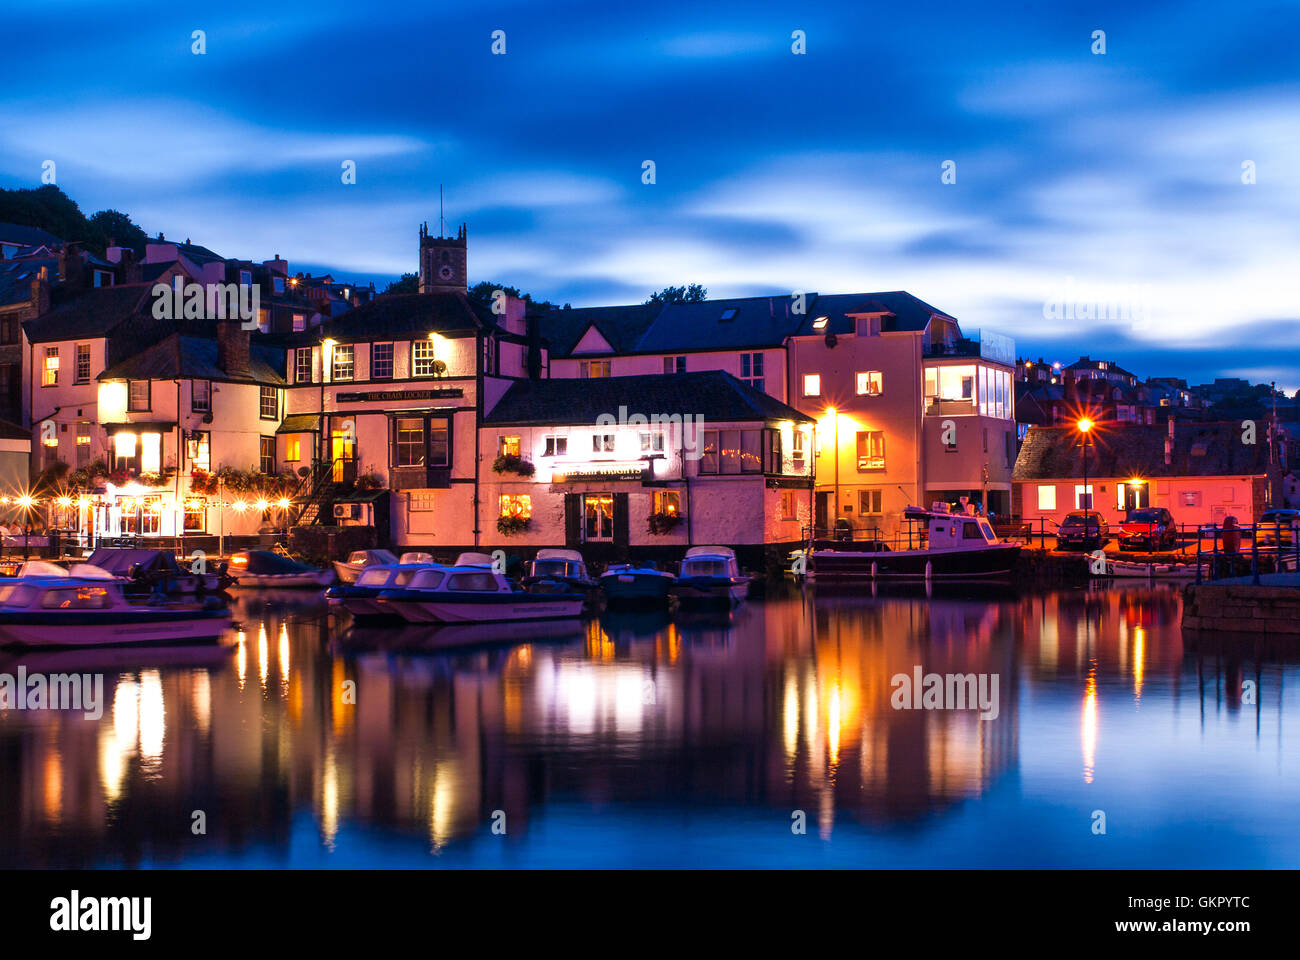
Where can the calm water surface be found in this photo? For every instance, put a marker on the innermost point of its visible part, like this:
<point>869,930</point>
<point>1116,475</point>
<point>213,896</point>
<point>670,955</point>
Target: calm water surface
<point>649,741</point>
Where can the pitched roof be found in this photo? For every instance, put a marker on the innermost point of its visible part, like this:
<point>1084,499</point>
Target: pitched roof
<point>729,324</point>
<point>713,394</point>
<point>621,326</point>
<point>94,313</point>
<point>1132,450</point>
<point>16,278</point>
<point>179,356</point>
<point>408,315</point>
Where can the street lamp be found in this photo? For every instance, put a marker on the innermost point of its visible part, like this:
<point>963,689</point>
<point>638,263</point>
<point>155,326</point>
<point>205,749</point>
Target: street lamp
<point>835,424</point>
<point>1085,427</point>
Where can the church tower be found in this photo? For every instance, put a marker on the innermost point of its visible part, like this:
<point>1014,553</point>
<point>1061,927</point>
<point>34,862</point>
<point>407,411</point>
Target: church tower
<point>442,262</point>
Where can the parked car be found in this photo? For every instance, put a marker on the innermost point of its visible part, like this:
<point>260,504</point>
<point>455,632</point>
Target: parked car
<point>1277,527</point>
<point>1148,528</point>
<point>1082,530</point>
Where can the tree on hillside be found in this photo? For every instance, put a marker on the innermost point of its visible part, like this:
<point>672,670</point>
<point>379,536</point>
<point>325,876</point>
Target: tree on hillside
<point>115,225</point>
<point>689,294</point>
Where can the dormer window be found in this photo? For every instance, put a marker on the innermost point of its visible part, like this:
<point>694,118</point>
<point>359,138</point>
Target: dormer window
<point>820,323</point>
<point>868,326</point>
<point>728,314</point>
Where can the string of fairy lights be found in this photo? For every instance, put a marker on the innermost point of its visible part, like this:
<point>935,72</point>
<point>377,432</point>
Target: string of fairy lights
<point>133,503</point>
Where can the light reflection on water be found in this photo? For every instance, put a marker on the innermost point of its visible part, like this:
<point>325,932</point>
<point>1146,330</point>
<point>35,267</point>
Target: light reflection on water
<point>690,740</point>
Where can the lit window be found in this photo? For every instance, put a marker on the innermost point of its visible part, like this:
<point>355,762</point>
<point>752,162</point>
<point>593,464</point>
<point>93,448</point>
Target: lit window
<point>871,450</point>
<point>871,383</point>
<point>820,323</point>
<point>667,502</point>
<point>410,442</point>
<point>509,446</point>
<point>50,373</point>
<point>593,368</point>
<point>197,450</point>
<point>343,359</point>
<point>789,505</point>
<point>516,505</point>
<point>150,452</point>
<point>299,322</point>
<point>266,454</point>
<point>1047,496</point>
<point>1082,496</point>
<point>293,449</point>
<point>812,385</point>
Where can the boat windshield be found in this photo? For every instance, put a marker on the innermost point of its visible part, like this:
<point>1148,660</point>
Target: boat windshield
<point>16,594</point>
<point>705,568</point>
<point>76,598</point>
<point>373,577</point>
<point>553,568</point>
<point>472,581</point>
<point>426,579</point>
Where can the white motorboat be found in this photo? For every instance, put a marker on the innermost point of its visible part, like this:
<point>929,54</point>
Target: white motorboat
<point>710,574</point>
<point>348,570</point>
<point>266,568</point>
<point>361,599</point>
<point>86,607</point>
<point>473,594</point>
<point>415,556</point>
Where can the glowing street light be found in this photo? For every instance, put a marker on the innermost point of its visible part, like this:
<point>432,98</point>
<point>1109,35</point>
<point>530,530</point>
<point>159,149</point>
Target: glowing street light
<point>1085,427</point>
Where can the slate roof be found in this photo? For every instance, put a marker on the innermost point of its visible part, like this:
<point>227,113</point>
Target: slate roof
<point>27,236</point>
<point>714,394</point>
<point>16,278</point>
<point>1132,450</point>
<point>94,313</point>
<point>300,423</point>
<point>186,358</point>
<point>404,316</point>
<point>710,324</point>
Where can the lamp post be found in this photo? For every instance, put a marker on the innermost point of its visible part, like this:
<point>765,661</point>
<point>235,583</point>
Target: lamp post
<point>1085,427</point>
<point>835,425</point>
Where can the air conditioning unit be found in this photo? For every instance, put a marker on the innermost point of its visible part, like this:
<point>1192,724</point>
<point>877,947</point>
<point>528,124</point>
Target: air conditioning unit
<point>347,511</point>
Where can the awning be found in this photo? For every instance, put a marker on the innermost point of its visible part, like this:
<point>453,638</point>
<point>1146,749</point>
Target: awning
<point>300,423</point>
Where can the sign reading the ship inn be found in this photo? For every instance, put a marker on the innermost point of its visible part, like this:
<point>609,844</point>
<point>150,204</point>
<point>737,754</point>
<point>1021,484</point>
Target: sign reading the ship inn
<point>373,396</point>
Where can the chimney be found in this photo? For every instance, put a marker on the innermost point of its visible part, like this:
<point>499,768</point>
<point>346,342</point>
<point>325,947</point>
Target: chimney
<point>233,348</point>
<point>72,269</point>
<point>41,292</point>
<point>277,266</point>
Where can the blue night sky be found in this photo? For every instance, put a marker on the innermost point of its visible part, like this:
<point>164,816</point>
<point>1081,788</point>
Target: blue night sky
<point>775,172</point>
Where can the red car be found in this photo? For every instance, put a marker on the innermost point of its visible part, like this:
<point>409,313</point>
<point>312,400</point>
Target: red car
<point>1148,528</point>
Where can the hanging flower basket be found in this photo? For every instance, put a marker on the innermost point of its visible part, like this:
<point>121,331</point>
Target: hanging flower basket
<point>509,463</point>
<point>508,526</point>
<point>663,523</point>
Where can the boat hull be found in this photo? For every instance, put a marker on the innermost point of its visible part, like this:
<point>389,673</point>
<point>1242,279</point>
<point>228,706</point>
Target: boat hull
<point>992,561</point>
<point>711,589</point>
<point>635,588</point>
<point>286,581</point>
<point>445,606</point>
<point>106,628</point>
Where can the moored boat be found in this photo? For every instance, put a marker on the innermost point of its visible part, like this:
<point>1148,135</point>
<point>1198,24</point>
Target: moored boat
<point>558,571</point>
<point>348,570</point>
<point>361,599</point>
<point>158,572</point>
<point>624,583</point>
<point>473,594</point>
<point>958,545</point>
<point>415,556</point>
<point>710,574</point>
<point>266,568</point>
<point>88,608</point>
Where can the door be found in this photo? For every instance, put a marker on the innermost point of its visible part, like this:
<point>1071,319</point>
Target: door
<point>823,511</point>
<point>598,516</point>
<point>343,455</point>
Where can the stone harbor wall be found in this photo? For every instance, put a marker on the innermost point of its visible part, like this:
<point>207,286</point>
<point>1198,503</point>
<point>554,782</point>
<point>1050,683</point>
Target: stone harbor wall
<point>1242,608</point>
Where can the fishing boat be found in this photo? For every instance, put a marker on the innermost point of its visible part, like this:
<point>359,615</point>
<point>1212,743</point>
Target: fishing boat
<point>361,599</point>
<point>88,607</point>
<point>268,569</point>
<point>157,571</point>
<point>710,574</point>
<point>624,583</point>
<point>957,545</point>
<point>473,594</point>
<point>348,570</point>
<point>558,571</point>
